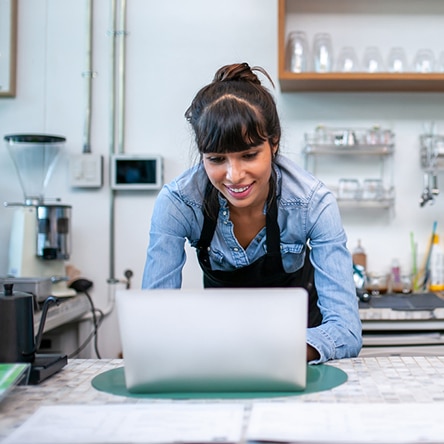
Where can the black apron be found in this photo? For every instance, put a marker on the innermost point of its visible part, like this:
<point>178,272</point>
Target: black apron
<point>267,271</point>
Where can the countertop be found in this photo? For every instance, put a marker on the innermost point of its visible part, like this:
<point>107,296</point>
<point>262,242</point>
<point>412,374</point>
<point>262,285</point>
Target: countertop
<point>400,307</point>
<point>392,379</point>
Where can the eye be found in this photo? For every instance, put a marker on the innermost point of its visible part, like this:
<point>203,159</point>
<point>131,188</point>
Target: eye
<point>250,155</point>
<point>215,159</point>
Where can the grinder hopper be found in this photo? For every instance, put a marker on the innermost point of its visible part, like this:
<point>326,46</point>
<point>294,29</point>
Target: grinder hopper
<point>34,157</point>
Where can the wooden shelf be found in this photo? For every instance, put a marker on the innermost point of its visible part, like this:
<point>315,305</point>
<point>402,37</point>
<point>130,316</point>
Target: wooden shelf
<point>407,82</point>
<point>349,82</point>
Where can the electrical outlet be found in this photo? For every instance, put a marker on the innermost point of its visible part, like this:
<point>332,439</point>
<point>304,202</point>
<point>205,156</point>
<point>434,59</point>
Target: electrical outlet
<point>86,170</point>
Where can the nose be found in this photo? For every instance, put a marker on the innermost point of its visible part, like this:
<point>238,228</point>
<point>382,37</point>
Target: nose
<point>235,171</point>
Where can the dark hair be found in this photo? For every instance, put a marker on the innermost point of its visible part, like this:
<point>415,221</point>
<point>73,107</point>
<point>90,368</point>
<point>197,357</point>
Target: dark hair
<point>234,113</point>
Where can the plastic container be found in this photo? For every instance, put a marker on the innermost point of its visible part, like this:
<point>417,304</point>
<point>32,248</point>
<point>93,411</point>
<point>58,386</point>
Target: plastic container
<point>436,266</point>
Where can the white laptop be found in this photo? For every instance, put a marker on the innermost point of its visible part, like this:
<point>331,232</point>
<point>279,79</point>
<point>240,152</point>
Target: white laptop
<point>213,340</point>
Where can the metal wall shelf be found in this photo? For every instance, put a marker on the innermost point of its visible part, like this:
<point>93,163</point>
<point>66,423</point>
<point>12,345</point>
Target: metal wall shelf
<point>351,146</point>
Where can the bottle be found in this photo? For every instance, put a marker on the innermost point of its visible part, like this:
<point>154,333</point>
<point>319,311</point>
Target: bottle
<point>395,277</point>
<point>359,257</point>
<point>436,266</point>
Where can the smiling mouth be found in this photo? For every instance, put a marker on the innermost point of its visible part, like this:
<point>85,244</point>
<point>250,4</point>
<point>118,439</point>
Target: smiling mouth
<point>239,190</point>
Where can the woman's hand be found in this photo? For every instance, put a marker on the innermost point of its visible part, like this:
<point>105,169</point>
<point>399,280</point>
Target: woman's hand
<point>312,353</point>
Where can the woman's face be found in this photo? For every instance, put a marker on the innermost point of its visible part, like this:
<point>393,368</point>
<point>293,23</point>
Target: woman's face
<point>242,177</point>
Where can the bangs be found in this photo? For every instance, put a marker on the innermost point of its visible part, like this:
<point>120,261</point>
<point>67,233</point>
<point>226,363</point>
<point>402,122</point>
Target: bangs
<point>230,125</point>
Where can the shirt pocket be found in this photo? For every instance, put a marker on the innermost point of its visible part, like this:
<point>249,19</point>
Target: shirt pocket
<point>216,257</point>
<point>293,256</point>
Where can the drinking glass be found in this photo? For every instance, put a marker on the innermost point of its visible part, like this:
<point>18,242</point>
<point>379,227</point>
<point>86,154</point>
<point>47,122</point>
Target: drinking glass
<point>297,52</point>
<point>397,60</point>
<point>377,283</point>
<point>424,61</point>
<point>402,284</point>
<point>441,62</point>
<point>372,61</point>
<point>347,60</point>
<point>349,189</point>
<point>373,136</point>
<point>322,52</point>
<point>372,189</point>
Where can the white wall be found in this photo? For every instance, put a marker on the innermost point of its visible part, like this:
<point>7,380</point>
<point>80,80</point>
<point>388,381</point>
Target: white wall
<point>174,48</point>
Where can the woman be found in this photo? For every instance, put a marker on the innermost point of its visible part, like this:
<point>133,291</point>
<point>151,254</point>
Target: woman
<point>255,218</point>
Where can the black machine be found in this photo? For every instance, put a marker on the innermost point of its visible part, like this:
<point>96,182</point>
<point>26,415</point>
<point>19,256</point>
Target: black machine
<point>17,341</point>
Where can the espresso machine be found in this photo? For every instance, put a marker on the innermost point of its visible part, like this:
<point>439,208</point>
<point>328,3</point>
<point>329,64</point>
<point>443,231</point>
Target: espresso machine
<point>38,248</point>
<point>40,240</point>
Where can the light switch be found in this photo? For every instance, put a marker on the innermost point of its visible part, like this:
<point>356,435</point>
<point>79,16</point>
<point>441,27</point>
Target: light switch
<point>86,170</point>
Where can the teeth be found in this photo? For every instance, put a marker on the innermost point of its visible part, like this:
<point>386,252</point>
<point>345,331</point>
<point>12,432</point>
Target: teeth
<point>239,190</point>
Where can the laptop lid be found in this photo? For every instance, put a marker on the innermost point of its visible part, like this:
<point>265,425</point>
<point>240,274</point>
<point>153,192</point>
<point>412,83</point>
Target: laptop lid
<point>212,340</point>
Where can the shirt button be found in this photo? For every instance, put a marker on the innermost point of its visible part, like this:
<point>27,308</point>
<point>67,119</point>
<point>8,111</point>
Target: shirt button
<point>224,213</point>
<point>236,249</point>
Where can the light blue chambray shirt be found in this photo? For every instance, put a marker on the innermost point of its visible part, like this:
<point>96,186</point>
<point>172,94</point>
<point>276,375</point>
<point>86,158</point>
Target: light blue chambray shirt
<point>307,212</point>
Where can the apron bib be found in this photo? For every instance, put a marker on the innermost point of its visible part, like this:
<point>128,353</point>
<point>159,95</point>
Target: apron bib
<point>267,271</point>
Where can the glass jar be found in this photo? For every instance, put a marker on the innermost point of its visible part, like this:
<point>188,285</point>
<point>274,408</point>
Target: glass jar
<point>297,52</point>
<point>322,52</point>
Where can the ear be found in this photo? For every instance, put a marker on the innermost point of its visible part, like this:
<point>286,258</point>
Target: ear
<point>274,149</point>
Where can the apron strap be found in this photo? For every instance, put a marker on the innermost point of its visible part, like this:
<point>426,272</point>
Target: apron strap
<point>208,228</point>
<point>272,228</point>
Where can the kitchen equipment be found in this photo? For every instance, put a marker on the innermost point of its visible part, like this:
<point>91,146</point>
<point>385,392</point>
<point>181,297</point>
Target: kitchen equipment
<point>403,284</point>
<point>347,60</point>
<point>377,283</point>
<point>17,341</point>
<point>297,52</point>
<point>424,61</point>
<point>440,65</point>
<point>40,288</point>
<point>397,60</point>
<point>40,236</point>
<point>372,61</point>
<point>432,161</point>
<point>372,189</point>
<point>349,189</point>
<point>322,52</point>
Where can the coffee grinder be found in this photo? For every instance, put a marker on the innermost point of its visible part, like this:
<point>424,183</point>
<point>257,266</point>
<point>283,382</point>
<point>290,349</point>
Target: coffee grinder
<point>39,245</point>
<point>40,239</point>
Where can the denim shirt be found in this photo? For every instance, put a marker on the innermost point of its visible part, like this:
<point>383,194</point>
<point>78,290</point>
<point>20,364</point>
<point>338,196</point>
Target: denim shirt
<point>307,213</point>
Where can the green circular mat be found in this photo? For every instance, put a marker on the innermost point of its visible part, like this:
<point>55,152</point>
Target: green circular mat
<point>319,378</point>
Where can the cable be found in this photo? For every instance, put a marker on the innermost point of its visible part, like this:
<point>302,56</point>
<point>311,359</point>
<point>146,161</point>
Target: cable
<point>94,333</point>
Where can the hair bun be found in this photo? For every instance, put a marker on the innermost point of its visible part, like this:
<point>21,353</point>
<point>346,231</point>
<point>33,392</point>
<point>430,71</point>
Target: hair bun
<point>240,72</point>
<point>236,71</point>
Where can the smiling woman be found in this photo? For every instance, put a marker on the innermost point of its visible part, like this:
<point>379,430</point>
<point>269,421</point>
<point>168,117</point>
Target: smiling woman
<point>255,218</point>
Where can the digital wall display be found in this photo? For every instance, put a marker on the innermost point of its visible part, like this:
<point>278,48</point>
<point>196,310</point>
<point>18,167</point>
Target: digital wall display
<point>136,172</point>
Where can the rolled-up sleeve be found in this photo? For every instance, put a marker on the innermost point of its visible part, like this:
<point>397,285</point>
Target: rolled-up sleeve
<point>340,334</point>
